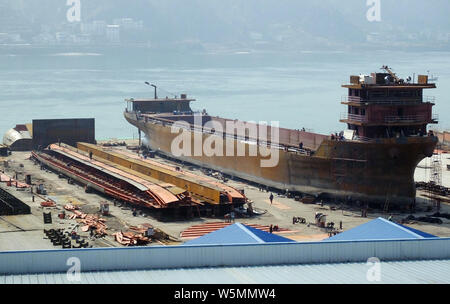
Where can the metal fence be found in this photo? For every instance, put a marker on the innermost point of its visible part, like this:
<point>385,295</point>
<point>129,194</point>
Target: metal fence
<point>391,100</point>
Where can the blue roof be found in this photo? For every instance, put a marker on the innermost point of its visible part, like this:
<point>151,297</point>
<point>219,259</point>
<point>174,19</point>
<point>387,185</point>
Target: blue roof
<point>380,229</point>
<point>238,234</point>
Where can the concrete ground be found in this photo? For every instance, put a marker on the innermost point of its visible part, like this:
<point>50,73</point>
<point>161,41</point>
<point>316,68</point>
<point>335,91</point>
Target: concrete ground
<point>26,231</point>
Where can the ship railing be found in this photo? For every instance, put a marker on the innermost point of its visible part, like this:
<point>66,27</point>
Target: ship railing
<point>245,139</point>
<point>254,141</point>
<point>391,118</point>
<point>406,118</point>
<point>354,117</point>
<point>363,139</point>
<point>346,98</point>
<point>393,101</point>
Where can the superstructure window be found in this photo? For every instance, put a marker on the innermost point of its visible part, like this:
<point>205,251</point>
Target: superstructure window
<point>377,94</point>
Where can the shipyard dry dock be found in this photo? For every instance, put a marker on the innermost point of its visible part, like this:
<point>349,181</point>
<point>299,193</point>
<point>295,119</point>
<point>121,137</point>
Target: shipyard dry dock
<point>127,222</point>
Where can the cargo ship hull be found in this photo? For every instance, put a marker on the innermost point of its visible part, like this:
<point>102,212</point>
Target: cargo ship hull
<point>378,171</point>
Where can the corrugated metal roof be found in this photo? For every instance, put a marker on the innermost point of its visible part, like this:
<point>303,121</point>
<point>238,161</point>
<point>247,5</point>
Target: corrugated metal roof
<point>238,234</point>
<point>267,237</point>
<point>380,229</point>
<point>406,272</point>
<point>229,255</point>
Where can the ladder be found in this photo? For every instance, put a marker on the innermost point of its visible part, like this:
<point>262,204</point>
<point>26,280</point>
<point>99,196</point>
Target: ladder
<point>436,169</point>
<point>387,202</point>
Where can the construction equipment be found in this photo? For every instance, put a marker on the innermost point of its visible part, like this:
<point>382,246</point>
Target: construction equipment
<point>321,219</point>
<point>298,220</point>
<point>393,75</point>
<point>41,190</point>
<point>104,208</point>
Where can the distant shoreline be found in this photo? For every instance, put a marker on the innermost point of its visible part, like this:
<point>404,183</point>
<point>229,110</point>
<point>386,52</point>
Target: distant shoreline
<point>220,50</point>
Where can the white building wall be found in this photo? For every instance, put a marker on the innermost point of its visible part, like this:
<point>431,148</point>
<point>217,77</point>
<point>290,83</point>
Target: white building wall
<point>162,257</point>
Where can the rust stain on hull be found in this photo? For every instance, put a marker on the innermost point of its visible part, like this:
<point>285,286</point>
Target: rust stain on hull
<point>369,171</point>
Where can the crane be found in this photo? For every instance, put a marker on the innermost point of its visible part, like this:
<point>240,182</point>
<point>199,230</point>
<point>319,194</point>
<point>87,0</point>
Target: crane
<point>388,69</point>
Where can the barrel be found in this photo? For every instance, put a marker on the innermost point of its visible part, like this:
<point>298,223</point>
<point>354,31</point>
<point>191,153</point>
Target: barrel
<point>28,179</point>
<point>47,218</point>
<point>62,215</point>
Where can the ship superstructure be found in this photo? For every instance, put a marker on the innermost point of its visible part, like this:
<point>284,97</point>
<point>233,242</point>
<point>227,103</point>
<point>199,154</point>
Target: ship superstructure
<point>382,105</point>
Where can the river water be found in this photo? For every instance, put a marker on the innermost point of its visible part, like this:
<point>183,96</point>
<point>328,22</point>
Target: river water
<point>299,90</point>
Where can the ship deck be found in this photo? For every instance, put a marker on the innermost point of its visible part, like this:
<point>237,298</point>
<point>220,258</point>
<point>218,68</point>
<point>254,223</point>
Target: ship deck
<point>286,139</point>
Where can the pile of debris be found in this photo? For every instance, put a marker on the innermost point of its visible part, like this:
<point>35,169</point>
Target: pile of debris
<point>443,215</point>
<point>131,239</point>
<point>143,228</point>
<point>11,182</point>
<point>426,219</point>
<point>114,144</point>
<point>48,204</point>
<point>141,237</point>
<point>91,222</point>
<point>432,187</point>
<point>307,200</point>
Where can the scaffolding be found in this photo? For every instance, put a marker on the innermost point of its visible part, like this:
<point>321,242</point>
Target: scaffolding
<point>436,169</point>
<point>435,176</point>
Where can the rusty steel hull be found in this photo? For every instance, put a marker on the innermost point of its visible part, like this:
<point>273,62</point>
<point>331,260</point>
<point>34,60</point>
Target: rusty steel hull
<point>375,172</point>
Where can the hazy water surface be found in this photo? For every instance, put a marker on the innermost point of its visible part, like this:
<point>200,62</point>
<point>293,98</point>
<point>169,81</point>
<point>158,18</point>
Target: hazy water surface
<point>299,90</point>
